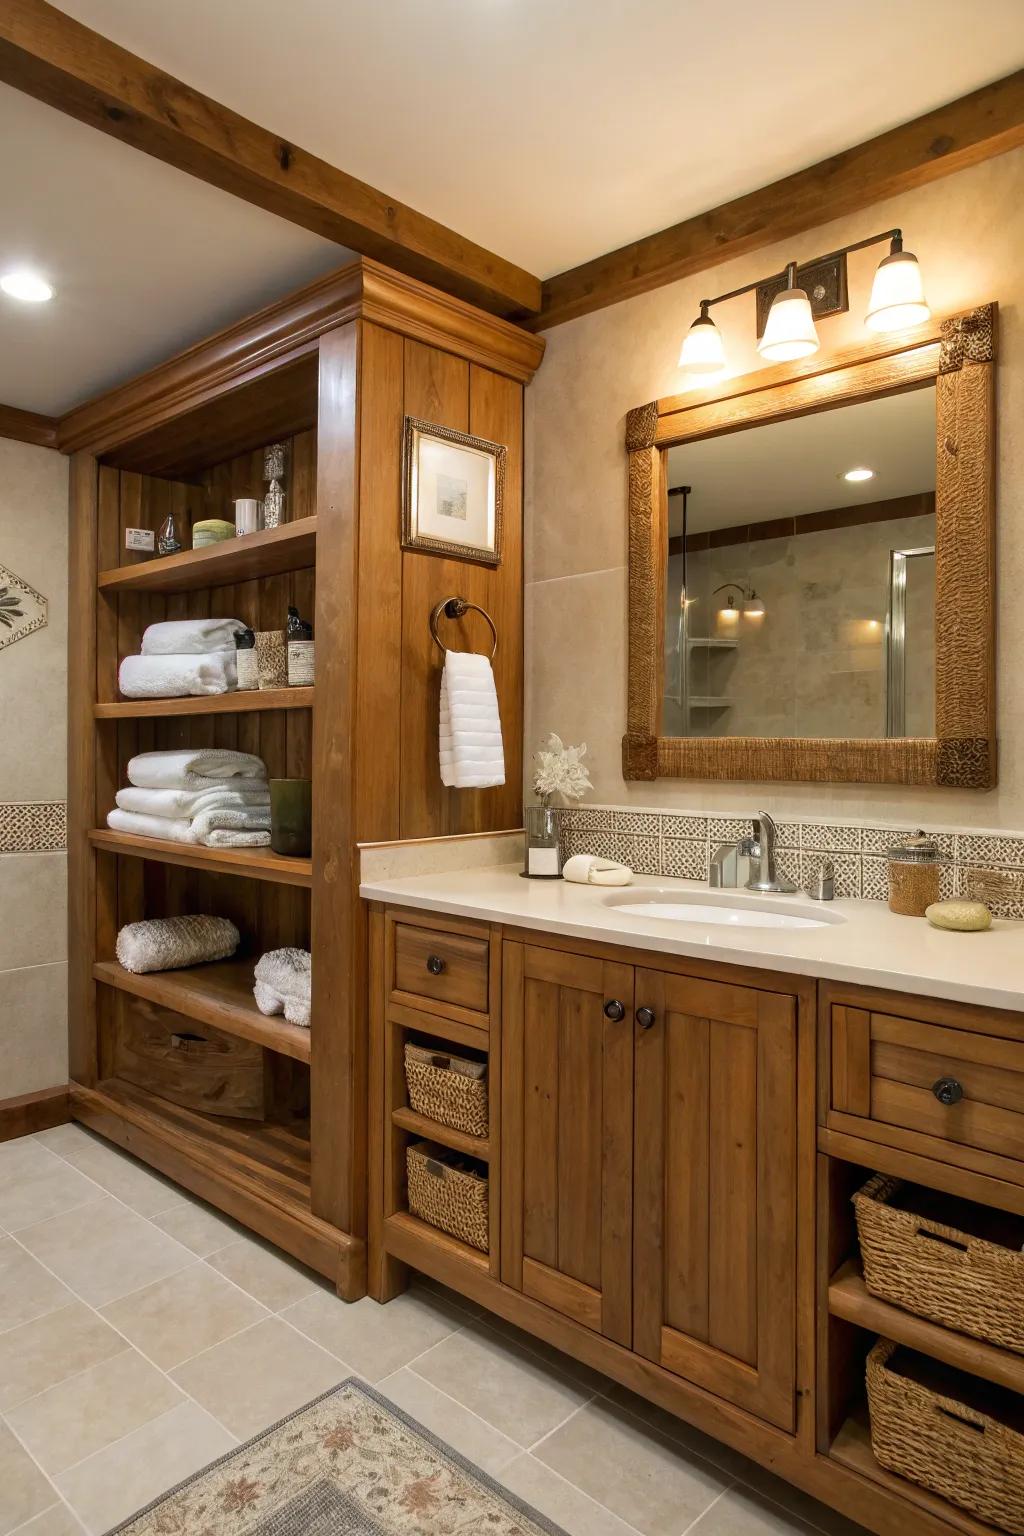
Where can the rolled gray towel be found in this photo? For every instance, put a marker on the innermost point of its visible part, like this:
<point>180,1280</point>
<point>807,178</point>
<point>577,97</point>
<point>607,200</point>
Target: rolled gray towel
<point>168,943</point>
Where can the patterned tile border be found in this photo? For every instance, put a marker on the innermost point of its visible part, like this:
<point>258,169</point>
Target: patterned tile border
<point>680,844</point>
<point>33,826</point>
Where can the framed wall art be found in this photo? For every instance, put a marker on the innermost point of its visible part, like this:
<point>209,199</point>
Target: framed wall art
<point>452,491</point>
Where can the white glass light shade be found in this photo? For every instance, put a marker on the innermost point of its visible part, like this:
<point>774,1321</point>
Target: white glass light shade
<point>27,286</point>
<point>789,330</point>
<point>897,294</point>
<point>753,607</point>
<point>728,613</point>
<point>702,354</point>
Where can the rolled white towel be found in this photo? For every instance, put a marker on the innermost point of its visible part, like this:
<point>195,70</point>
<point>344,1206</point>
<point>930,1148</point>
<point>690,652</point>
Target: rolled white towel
<point>283,984</point>
<point>190,802</point>
<point>177,677</point>
<point>167,943</point>
<point>231,818</point>
<point>170,829</point>
<point>195,768</point>
<point>190,637</point>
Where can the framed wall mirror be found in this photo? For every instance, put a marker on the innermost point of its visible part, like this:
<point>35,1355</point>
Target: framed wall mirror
<point>812,569</point>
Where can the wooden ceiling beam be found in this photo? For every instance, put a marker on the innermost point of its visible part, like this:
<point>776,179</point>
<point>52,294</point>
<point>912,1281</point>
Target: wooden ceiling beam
<point>28,426</point>
<point>57,60</point>
<point>988,122</point>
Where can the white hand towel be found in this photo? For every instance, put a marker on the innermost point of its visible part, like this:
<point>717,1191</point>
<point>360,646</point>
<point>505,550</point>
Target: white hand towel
<point>177,677</point>
<point>283,984</point>
<point>469,737</point>
<point>190,802</point>
<point>165,943</point>
<point>194,768</point>
<point>231,818</point>
<point>168,828</point>
<point>221,838</point>
<point>190,637</point>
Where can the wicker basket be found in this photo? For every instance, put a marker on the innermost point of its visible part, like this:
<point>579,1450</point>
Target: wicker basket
<point>449,1089</point>
<point>924,1427</point>
<point>943,1273</point>
<point>447,1191</point>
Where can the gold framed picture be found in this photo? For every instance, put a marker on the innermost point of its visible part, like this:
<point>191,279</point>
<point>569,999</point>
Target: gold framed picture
<point>453,487</point>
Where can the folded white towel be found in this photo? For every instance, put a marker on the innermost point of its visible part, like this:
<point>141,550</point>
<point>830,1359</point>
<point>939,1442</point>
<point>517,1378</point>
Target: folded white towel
<point>283,984</point>
<point>166,943</point>
<point>177,677</point>
<point>171,829</point>
<point>225,839</point>
<point>231,818</point>
<point>190,802</point>
<point>190,637</point>
<point>195,768</point>
<point>469,737</point>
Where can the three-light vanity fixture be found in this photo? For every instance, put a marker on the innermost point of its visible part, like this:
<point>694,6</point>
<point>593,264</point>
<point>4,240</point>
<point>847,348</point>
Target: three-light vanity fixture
<point>897,303</point>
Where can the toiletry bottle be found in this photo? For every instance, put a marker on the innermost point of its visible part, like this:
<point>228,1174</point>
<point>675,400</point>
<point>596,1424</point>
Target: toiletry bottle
<point>168,542</point>
<point>247,515</point>
<point>300,650</point>
<point>245,659</point>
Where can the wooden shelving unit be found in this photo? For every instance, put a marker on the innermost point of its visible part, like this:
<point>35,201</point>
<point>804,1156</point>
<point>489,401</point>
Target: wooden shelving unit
<point>254,863</point>
<point>275,551</point>
<point>249,701</point>
<point>419,1125</point>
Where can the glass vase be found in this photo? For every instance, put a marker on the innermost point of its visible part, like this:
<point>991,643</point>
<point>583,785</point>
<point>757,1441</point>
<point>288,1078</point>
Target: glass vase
<point>542,843</point>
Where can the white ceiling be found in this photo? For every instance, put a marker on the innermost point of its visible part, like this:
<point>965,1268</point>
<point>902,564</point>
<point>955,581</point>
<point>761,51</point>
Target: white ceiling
<point>549,131</point>
<point>792,467</point>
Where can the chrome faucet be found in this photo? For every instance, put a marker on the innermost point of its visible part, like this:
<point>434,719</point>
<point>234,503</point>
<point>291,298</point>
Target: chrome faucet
<point>763,874</point>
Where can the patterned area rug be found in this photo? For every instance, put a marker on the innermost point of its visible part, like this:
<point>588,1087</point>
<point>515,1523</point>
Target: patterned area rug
<point>348,1464</point>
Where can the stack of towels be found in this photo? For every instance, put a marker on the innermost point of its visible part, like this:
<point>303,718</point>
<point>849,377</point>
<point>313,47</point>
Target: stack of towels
<point>181,658</point>
<point>472,754</point>
<point>210,795</point>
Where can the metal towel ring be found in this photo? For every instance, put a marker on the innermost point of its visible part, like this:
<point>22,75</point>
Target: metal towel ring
<point>455,608</point>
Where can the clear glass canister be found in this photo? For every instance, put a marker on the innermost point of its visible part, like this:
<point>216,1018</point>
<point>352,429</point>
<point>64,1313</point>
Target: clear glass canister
<point>915,868</point>
<point>542,843</point>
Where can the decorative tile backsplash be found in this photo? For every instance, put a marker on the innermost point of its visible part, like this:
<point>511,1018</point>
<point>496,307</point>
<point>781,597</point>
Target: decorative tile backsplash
<point>33,826</point>
<point>674,843</point>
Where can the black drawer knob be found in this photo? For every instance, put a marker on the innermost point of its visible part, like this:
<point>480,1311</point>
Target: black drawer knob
<point>948,1091</point>
<point>645,1017</point>
<point>435,965</point>
<point>614,1010</point>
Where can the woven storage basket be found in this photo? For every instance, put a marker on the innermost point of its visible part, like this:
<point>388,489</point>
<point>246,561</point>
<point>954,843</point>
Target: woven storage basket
<point>447,1191</point>
<point>449,1089</point>
<point>949,1447</point>
<point>937,1271</point>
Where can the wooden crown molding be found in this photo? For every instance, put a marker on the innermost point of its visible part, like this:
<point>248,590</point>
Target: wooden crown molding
<point>57,60</point>
<point>973,128</point>
<point>284,332</point>
<point>28,427</point>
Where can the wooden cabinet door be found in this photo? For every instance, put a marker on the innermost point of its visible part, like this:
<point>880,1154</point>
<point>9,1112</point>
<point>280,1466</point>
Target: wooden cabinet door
<point>567,1134</point>
<point>714,1218</point>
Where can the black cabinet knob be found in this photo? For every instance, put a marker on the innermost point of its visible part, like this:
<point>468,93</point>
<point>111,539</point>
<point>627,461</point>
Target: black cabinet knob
<point>435,965</point>
<point>948,1091</point>
<point>613,1009</point>
<point>645,1017</point>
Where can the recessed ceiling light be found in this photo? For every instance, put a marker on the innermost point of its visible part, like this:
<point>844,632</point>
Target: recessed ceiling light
<point>858,474</point>
<point>28,286</point>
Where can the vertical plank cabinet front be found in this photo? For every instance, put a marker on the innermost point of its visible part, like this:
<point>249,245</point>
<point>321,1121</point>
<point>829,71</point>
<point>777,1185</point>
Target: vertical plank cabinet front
<point>567,1130</point>
<point>714,1216</point>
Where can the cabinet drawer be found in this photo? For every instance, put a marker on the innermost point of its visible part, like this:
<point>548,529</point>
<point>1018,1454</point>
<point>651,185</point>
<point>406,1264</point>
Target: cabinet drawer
<point>959,1085</point>
<point>446,967</point>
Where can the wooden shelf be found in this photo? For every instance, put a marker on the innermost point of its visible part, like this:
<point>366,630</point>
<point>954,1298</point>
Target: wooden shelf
<point>850,1299</point>
<point>235,703</point>
<point>852,1449</point>
<point>291,547</point>
<point>708,702</point>
<point>470,1146</point>
<point>417,1243</point>
<point>219,994</point>
<point>253,863</point>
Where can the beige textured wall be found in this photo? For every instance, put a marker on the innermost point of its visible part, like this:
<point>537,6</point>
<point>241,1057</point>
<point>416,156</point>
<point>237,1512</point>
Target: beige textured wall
<point>968,231</point>
<point>33,771</point>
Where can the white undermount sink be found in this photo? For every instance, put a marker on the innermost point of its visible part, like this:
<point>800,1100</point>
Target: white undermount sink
<point>732,909</point>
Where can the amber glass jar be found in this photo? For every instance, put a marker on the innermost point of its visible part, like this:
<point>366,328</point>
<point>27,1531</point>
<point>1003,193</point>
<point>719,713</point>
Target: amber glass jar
<point>914,872</point>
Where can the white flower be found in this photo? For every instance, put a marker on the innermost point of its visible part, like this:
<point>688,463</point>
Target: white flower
<point>559,770</point>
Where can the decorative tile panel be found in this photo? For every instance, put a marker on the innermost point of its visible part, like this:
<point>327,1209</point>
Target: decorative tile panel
<point>822,836</point>
<point>684,858</point>
<point>33,826</point>
<point>684,826</point>
<point>23,610</point>
<point>990,849</point>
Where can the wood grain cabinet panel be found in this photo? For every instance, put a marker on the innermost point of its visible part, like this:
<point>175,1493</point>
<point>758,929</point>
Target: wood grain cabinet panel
<point>715,1189</point>
<point>443,966</point>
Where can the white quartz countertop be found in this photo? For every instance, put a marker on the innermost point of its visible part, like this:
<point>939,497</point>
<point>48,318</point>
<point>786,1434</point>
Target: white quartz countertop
<point>872,946</point>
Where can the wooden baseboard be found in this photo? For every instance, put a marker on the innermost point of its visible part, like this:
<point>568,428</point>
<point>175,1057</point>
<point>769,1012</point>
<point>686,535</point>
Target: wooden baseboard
<point>30,1112</point>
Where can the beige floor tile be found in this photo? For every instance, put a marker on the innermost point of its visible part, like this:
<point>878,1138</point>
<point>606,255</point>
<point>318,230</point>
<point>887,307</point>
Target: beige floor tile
<point>465,1432</point>
<point>742,1512</point>
<point>128,1475</point>
<point>801,1505</point>
<point>55,1521</point>
<point>92,1410</point>
<point>463,1303</point>
<point>124,1177</point>
<point>36,1184</point>
<point>181,1316</point>
<point>198,1227</point>
<point>65,1138</point>
<point>258,1376</point>
<point>513,1391</point>
<point>103,1250</point>
<point>552,1496</point>
<point>39,1354</point>
<point>722,1456</point>
<point>27,1290</point>
<point>582,1375</point>
<point>651,1482</point>
<point>372,1339</point>
<point>24,1491</point>
<point>265,1273</point>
